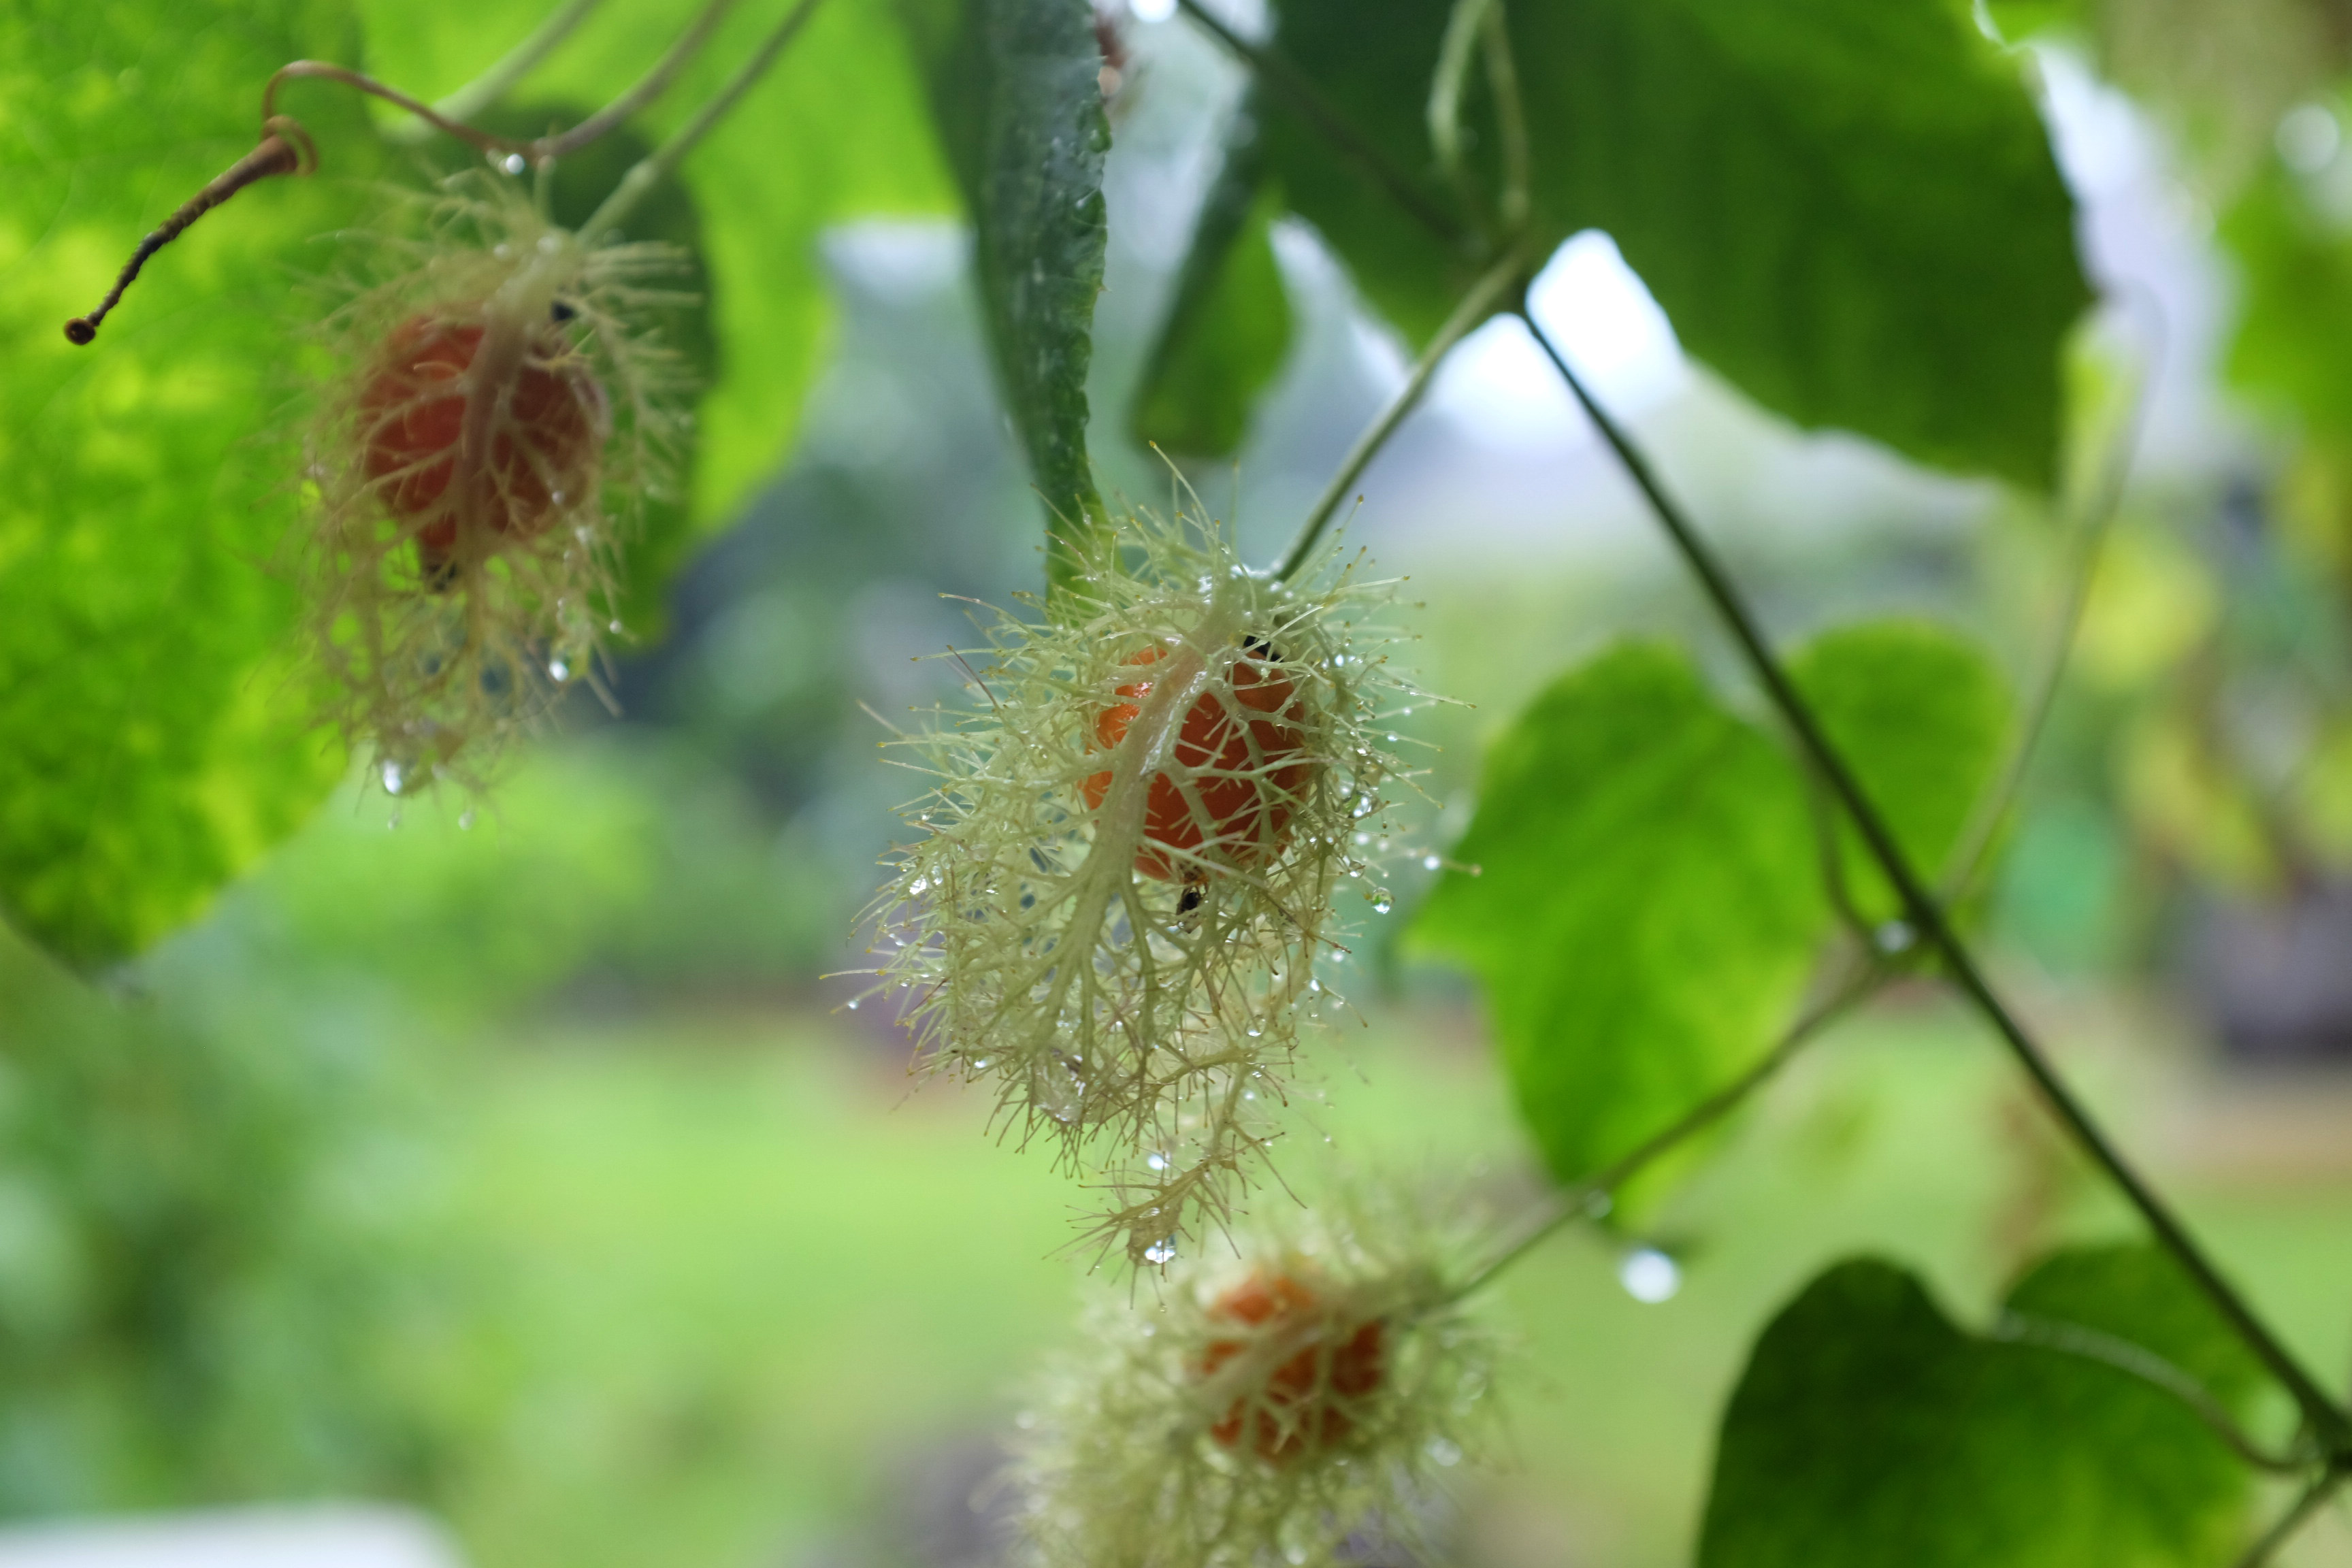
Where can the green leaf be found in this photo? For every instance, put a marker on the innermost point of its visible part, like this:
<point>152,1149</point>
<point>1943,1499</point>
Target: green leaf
<point>1849,209</point>
<point>1919,713</point>
<point>1371,63</point>
<point>1868,1430</point>
<point>1016,93</point>
<point>1228,322</point>
<point>1646,905</point>
<point>152,740</point>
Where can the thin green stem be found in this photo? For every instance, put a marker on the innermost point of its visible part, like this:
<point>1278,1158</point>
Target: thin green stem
<point>649,87</point>
<point>2082,561</point>
<point>1291,86</point>
<point>651,170</point>
<point>1511,117</point>
<point>1927,918</point>
<point>2138,1361</point>
<point>1480,302</point>
<point>495,83</point>
<point>2297,1515</point>
<point>1445,112</point>
<point>1587,1198</point>
<point>537,149</point>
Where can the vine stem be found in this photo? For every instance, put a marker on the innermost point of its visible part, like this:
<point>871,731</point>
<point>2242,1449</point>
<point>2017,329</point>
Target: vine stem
<point>1302,95</point>
<point>1476,305</point>
<point>651,170</point>
<point>537,149</point>
<point>495,82</point>
<point>2326,1418</point>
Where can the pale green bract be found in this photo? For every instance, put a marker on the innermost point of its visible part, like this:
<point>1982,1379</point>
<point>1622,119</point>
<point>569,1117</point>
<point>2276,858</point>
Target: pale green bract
<point>1146,1026</point>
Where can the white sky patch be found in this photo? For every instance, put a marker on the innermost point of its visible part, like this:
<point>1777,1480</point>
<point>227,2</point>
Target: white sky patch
<point>1500,389</point>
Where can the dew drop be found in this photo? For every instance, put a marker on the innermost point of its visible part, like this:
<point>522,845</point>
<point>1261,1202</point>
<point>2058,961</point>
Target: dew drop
<point>853,1004</point>
<point>1443,1452</point>
<point>392,778</point>
<point>556,670</point>
<point>1381,902</point>
<point>1430,862</point>
<point>1894,937</point>
<point>465,820</point>
<point>513,163</point>
<point>1163,1253</point>
<point>1650,1276</point>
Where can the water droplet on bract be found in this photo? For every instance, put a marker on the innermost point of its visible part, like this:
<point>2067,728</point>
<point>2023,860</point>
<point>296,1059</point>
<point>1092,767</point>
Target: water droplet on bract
<point>555,496</point>
<point>1430,862</point>
<point>512,163</point>
<point>1443,1452</point>
<point>1894,937</point>
<point>853,1002</point>
<point>392,823</point>
<point>548,244</point>
<point>392,778</point>
<point>1157,1161</point>
<point>1163,1253</point>
<point>1649,1276</point>
<point>556,670</point>
<point>1381,902</point>
<point>614,628</point>
<point>465,821</point>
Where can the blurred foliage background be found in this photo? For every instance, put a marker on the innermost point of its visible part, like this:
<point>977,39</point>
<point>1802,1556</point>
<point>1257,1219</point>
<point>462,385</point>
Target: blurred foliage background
<point>512,1158</point>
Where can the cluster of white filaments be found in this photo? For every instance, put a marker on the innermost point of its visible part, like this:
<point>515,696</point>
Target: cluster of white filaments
<point>496,426</point>
<point>1294,1402</point>
<point>1133,859</point>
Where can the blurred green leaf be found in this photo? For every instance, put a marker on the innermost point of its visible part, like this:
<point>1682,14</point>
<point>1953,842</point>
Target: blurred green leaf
<point>1228,324</point>
<point>1646,904</point>
<point>1868,1430</point>
<point>2296,307</point>
<point>1850,209</point>
<point>153,741</point>
<point>1017,97</point>
<point>209,1290</point>
<point>1919,713</point>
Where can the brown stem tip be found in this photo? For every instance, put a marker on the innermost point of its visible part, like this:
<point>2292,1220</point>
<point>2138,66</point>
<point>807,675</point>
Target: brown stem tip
<point>285,149</point>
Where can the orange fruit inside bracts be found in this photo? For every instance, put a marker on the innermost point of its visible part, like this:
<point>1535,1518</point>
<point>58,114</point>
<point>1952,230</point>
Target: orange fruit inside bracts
<point>543,448</point>
<point>1239,767</point>
<point>1307,1401</point>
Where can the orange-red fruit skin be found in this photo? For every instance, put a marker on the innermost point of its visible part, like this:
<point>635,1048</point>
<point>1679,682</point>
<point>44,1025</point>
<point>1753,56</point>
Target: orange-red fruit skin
<point>413,411</point>
<point>1304,1404</point>
<point>1245,797</point>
